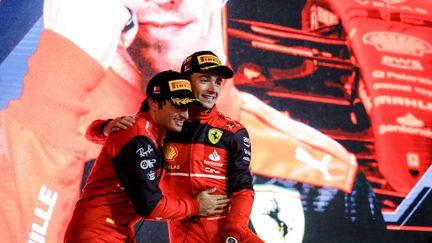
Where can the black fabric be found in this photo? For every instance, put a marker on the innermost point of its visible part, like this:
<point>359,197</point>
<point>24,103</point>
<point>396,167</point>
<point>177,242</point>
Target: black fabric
<point>203,61</point>
<point>239,160</point>
<point>237,144</point>
<point>137,167</point>
<point>172,86</point>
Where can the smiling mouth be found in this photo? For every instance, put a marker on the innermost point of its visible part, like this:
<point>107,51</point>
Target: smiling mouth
<point>209,98</point>
<point>164,25</point>
<point>179,122</point>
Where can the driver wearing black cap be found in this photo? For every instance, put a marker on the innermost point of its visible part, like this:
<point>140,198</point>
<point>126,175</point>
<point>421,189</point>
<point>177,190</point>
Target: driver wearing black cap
<point>212,150</point>
<point>123,184</point>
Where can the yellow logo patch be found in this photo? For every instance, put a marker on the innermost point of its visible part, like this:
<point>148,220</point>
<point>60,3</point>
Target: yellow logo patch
<point>170,152</point>
<point>214,135</point>
<point>208,59</point>
<point>109,220</point>
<point>183,101</point>
<point>179,84</point>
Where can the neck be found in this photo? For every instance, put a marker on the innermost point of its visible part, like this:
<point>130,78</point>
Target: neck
<point>155,122</point>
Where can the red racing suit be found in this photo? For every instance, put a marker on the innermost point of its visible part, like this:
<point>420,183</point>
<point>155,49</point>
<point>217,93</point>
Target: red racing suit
<point>123,185</point>
<point>211,151</point>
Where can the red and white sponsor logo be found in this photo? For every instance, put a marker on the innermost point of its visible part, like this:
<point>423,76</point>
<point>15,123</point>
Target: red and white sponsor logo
<point>393,5</point>
<point>401,63</point>
<point>172,167</point>
<point>211,170</point>
<point>381,74</point>
<point>214,159</point>
<point>398,43</point>
<point>48,199</point>
<point>214,156</point>
<point>410,120</point>
<point>387,86</point>
<point>407,124</point>
<point>421,91</point>
<point>320,15</point>
<point>403,102</point>
<point>390,2</point>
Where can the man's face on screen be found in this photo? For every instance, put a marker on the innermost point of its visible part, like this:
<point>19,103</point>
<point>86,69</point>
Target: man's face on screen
<point>171,30</point>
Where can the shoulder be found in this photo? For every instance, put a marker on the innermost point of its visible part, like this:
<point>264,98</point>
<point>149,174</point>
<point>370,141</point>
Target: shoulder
<point>140,128</point>
<point>229,124</point>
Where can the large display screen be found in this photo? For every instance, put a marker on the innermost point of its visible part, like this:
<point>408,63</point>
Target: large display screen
<point>336,96</point>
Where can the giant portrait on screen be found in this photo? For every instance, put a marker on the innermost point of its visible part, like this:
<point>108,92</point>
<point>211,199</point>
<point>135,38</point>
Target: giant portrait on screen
<point>336,96</point>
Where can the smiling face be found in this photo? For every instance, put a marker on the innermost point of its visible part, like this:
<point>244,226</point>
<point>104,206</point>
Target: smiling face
<point>206,87</point>
<point>169,30</point>
<point>169,117</point>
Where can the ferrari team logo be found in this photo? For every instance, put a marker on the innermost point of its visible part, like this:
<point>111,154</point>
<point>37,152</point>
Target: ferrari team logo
<point>214,135</point>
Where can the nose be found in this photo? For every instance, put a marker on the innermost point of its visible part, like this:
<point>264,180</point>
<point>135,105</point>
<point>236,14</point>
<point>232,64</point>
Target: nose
<point>185,113</point>
<point>212,87</point>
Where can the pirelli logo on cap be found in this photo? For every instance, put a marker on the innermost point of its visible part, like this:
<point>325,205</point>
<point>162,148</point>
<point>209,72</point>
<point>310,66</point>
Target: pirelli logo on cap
<point>179,84</point>
<point>203,59</point>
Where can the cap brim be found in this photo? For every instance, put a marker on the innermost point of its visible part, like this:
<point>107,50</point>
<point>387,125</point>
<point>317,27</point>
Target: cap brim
<point>224,71</point>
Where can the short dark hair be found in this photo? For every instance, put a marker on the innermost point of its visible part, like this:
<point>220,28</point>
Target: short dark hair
<point>145,107</point>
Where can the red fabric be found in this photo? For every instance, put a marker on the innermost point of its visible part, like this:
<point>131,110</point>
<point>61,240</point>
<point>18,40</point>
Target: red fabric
<point>42,159</point>
<point>44,149</point>
<point>189,171</point>
<point>395,61</point>
<point>303,154</point>
<point>94,133</point>
<point>105,211</point>
<point>237,220</point>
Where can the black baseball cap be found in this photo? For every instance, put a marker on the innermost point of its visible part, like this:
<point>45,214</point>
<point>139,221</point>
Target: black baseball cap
<point>202,61</point>
<point>172,86</point>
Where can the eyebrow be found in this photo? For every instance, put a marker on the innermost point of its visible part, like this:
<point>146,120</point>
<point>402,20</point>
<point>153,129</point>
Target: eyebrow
<point>206,75</point>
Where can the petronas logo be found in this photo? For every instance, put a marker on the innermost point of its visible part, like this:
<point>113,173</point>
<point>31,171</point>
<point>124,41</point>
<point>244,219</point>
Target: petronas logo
<point>214,135</point>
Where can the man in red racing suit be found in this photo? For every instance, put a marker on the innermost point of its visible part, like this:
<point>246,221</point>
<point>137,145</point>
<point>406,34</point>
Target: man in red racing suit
<point>123,184</point>
<point>211,151</point>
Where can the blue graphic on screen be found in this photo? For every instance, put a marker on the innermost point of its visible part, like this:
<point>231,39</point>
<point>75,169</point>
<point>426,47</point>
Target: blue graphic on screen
<point>20,28</point>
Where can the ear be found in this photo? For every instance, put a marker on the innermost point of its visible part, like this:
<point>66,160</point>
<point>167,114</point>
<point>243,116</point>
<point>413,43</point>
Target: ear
<point>153,104</point>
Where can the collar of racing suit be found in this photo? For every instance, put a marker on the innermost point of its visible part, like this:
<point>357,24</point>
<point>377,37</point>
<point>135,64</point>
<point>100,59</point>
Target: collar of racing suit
<point>197,113</point>
<point>153,128</point>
